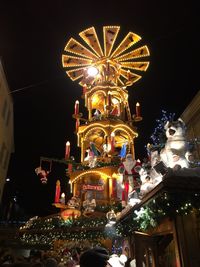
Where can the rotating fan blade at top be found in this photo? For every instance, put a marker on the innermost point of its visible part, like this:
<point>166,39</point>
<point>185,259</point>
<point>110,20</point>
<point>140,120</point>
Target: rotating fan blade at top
<point>95,66</point>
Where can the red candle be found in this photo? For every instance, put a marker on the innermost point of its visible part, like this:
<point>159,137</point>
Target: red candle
<point>57,193</point>
<point>76,107</point>
<point>123,199</point>
<point>67,150</point>
<point>138,110</point>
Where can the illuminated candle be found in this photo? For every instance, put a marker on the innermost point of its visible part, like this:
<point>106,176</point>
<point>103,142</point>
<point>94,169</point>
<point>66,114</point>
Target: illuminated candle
<point>67,150</point>
<point>123,197</point>
<point>128,75</point>
<point>57,193</point>
<point>76,107</point>
<point>62,198</point>
<point>112,142</point>
<point>138,110</point>
<point>70,186</point>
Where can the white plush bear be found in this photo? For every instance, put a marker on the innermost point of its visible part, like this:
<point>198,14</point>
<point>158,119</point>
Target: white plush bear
<point>174,153</point>
<point>147,183</point>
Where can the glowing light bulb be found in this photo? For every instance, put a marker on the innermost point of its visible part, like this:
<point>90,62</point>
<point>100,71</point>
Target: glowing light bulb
<point>92,71</point>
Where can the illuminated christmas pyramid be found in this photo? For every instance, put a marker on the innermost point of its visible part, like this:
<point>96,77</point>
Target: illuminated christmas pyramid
<point>108,133</point>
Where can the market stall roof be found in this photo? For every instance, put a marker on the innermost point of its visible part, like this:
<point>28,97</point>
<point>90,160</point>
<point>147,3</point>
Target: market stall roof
<point>180,183</point>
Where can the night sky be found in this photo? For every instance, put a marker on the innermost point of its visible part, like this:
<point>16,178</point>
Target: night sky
<point>33,35</point>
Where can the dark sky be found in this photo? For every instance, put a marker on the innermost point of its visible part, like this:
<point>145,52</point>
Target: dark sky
<point>33,35</point>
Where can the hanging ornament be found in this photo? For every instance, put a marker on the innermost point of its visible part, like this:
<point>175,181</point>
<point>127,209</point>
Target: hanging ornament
<point>43,171</point>
<point>42,174</point>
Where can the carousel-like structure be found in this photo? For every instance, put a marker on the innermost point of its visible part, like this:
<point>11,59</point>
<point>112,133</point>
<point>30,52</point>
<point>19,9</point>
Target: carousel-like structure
<point>108,133</point>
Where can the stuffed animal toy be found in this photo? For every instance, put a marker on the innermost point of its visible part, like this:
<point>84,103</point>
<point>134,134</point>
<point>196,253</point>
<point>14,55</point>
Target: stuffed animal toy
<point>175,151</point>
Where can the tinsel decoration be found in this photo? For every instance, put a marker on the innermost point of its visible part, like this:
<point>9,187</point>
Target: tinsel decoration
<point>158,137</point>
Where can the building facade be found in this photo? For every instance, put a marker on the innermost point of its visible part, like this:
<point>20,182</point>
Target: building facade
<point>6,128</point>
<point>191,117</point>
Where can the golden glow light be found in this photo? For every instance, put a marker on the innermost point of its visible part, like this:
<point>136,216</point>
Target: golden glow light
<point>92,71</point>
<point>112,63</point>
<point>102,174</point>
<point>115,101</point>
<point>120,127</point>
<point>63,195</point>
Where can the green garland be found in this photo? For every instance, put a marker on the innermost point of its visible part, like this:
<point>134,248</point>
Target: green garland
<point>163,206</point>
<point>47,230</point>
<point>81,167</point>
